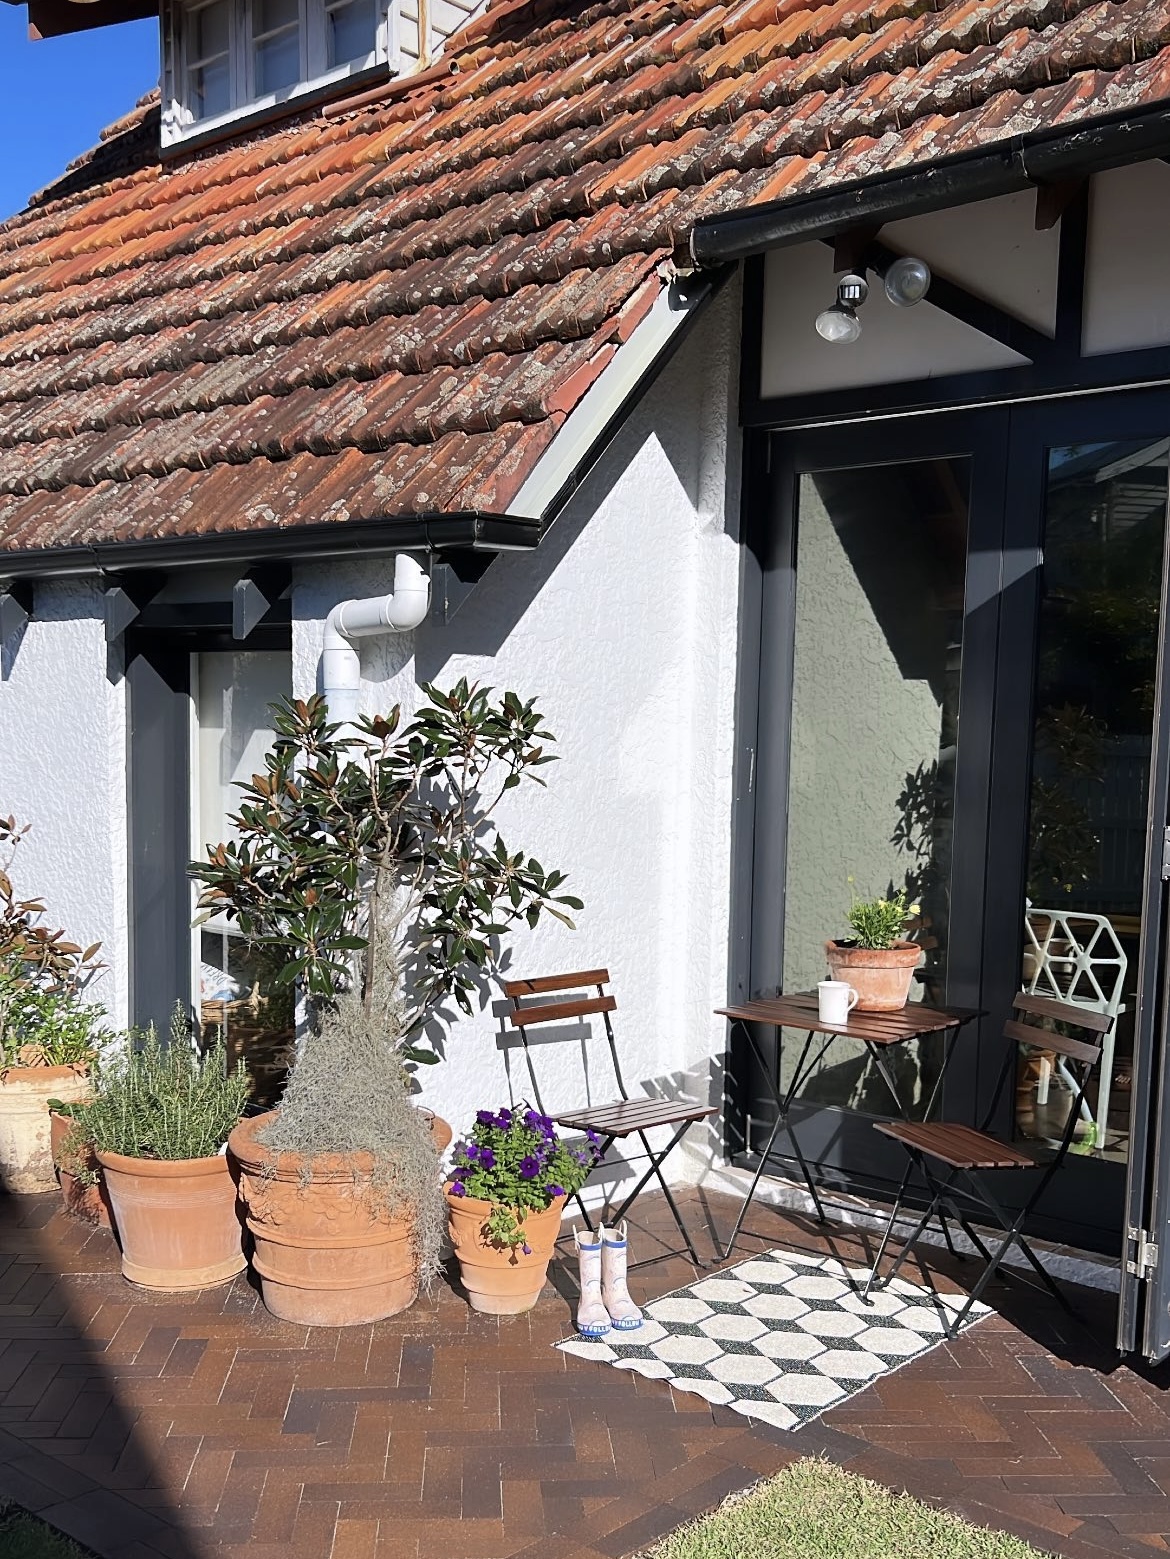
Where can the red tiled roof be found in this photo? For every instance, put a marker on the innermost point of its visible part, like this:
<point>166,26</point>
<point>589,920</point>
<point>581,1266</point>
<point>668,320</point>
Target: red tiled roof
<point>392,311</point>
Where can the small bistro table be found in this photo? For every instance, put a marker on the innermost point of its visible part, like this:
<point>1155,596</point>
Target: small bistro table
<point>877,1031</point>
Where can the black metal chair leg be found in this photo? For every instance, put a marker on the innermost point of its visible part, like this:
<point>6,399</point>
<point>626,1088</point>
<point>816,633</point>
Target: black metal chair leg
<point>655,1169</point>
<point>886,1232</point>
<point>747,1201</point>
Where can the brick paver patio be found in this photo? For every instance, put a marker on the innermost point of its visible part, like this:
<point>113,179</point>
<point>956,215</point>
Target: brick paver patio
<point>201,1428</point>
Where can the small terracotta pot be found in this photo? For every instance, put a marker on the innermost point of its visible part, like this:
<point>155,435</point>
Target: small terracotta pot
<point>26,1155</point>
<point>441,1131</point>
<point>323,1255</point>
<point>500,1280</point>
<point>88,1202</point>
<point>176,1220</point>
<point>880,976</point>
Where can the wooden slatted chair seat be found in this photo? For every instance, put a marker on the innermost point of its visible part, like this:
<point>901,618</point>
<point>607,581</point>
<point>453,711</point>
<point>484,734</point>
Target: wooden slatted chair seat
<point>958,1189</point>
<point>962,1147</point>
<point>621,1117</point>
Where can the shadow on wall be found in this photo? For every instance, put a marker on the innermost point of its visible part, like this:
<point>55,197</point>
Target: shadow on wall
<point>672,415</point>
<point>71,1450</point>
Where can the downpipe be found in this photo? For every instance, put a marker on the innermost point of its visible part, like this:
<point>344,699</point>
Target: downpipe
<point>400,612</point>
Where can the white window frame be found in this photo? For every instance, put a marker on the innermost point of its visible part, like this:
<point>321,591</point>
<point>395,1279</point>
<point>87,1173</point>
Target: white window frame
<point>178,122</point>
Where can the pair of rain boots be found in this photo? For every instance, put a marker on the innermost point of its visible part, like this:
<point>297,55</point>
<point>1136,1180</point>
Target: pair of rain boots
<point>605,1300</point>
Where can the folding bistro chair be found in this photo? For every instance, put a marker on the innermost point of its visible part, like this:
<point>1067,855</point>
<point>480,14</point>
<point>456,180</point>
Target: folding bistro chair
<point>956,1160</point>
<point>624,1117</point>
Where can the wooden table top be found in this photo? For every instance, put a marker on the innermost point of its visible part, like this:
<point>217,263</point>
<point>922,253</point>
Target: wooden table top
<point>799,1011</point>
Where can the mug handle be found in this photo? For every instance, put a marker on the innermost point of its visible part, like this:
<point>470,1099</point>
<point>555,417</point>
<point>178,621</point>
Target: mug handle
<point>854,998</point>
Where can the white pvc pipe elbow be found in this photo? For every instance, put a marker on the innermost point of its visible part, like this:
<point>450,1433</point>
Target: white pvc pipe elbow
<point>400,612</point>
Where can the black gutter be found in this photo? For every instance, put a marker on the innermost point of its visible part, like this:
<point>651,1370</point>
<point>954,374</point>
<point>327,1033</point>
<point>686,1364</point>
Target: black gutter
<point>435,533</point>
<point>1047,157</point>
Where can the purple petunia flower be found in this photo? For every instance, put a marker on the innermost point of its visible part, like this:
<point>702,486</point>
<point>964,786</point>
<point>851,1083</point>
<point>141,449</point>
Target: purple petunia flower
<point>533,1119</point>
<point>504,1120</point>
<point>530,1167</point>
<point>458,1188</point>
<point>556,1190</point>
<point>487,1159</point>
<point>593,1138</point>
<point>527,1249</point>
<point>582,1157</point>
<point>471,1152</point>
<point>485,1118</point>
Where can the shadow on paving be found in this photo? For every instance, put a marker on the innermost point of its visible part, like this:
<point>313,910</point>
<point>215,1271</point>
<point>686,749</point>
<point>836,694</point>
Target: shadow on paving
<point>72,1451</point>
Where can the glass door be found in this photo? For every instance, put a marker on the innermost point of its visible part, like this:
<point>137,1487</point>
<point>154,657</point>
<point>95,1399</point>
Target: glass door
<point>879,635</point>
<point>239,1001</point>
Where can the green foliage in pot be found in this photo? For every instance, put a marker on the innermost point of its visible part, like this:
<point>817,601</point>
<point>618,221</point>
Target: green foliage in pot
<point>43,1019</point>
<point>163,1101</point>
<point>369,857</point>
<point>879,923</point>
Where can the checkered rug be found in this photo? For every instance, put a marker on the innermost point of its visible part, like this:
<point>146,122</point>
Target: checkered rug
<point>779,1337</point>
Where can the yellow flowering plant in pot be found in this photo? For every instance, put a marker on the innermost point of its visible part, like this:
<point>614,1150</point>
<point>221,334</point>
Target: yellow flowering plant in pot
<point>878,961</point>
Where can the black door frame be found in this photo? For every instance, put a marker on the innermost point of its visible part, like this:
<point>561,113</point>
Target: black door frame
<point>158,650</point>
<point>993,779</point>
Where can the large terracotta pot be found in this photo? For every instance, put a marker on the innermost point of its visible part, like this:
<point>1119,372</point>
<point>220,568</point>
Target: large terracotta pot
<point>26,1154</point>
<point>499,1280</point>
<point>323,1255</point>
<point>176,1220</point>
<point>83,1199</point>
<point>880,976</point>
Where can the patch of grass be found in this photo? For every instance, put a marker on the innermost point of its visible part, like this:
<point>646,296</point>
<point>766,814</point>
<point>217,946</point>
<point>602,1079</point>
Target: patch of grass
<point>814,1510</point>
<point>25,1537</point>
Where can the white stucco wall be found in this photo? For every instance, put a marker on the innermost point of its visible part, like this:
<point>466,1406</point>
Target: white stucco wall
<point>63,769</point>
<point>623,625</point>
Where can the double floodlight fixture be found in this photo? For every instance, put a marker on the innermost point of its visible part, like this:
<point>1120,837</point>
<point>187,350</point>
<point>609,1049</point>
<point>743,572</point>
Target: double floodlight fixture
<point>905,282</point>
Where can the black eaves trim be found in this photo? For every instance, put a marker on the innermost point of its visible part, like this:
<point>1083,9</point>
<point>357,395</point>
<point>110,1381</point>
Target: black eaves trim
<point>1045,157</point>
<point>437,533</point>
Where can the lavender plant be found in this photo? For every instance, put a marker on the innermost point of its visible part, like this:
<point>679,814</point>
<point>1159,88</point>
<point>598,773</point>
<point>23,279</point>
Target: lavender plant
<point>515,1160</point>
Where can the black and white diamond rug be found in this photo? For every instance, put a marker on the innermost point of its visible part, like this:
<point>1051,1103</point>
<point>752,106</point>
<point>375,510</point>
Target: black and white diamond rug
<point>780,1337</point>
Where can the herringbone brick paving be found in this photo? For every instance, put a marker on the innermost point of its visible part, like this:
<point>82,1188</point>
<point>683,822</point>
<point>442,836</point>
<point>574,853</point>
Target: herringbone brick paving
<point>202,1428</point>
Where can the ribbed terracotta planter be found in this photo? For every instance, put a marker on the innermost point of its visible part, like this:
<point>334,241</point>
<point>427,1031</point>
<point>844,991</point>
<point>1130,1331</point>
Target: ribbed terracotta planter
<point>323,1256</point>
<point>85,1200</point>
<point>26,1154</point>
<point>880,976</point>
<point>176,1220</point>
<point>502,1281</point>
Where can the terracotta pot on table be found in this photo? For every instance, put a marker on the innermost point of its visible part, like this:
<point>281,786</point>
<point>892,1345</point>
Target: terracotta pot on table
<point>880,976</point>
<point>501,1280</point>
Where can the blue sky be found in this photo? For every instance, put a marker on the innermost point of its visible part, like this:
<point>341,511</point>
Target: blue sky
<point>56,95</point>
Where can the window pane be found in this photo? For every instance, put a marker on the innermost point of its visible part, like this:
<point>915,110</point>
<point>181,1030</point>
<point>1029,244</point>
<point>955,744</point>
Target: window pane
<point>209,31</point>
<point>352,31</point>
<point>880,561</point>
<point>1096,675</point>
<point>273,15</point>
<point>278,62</point>
<point>210,90</point>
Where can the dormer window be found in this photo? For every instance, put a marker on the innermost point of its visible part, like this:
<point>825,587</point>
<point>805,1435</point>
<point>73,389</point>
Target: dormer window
<point>229,58</point>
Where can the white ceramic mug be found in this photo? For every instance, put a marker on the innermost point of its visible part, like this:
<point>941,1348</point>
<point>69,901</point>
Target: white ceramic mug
<point>835,1001</point>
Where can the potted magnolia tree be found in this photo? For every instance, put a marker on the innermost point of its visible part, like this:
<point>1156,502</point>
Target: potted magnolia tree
<point>49,1034</point>
<point>369,856</point>
<point>878,961</point>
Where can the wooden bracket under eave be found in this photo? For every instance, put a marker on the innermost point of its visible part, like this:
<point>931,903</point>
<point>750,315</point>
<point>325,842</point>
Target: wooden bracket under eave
<point>1053,200</point>
<point>850,247</point>
<point>255,594</point>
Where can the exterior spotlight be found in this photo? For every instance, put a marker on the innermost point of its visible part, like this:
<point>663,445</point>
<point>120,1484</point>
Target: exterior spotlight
<point>839,322</point>
<point>907,281</point>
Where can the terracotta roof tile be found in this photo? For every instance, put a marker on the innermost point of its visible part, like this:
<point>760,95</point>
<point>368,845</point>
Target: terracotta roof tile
<point>394,310</point>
